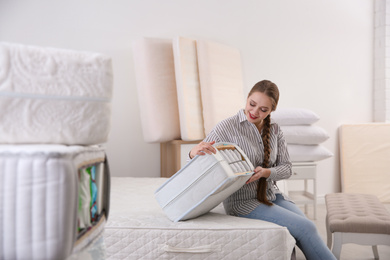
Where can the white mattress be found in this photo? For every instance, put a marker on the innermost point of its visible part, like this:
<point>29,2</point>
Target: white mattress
<point>139,229</point>
<point>188,89</point>
<point>204,182</point>
<point>39,199</point>
<point>157,95</point>
<point>221,82</point>
<point>364,159</point>
<point>57,96</point>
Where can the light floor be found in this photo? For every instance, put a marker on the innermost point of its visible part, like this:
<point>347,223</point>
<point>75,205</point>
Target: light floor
<point>348,251</point>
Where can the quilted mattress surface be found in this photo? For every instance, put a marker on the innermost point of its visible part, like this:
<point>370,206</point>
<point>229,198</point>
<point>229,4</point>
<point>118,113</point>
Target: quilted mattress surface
<point>39,198</point>
<point>50,95</point>
<point>139,229</point>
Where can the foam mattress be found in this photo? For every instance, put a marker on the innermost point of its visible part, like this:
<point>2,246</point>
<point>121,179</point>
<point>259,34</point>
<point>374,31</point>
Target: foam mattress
<point>188,89</point>
<point>57,96</point>
<point>40,206</point>
<point>157,95</point>
<point>221,82</point>
<point>364,154</point>
<point>139,229</point>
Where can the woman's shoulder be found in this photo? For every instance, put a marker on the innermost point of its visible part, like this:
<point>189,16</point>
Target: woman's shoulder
<point>232,120</point>
<point>227,124</point>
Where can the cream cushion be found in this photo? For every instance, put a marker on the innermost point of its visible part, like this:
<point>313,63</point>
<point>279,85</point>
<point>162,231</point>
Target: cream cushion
<point>364,155</point>
<point>188,89</point>
<point>357,213</point>
<point>221,82</point>
<point>155,79</point>
<point>356,218</point>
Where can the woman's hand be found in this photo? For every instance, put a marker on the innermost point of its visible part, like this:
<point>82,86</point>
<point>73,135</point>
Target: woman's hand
<point>260,172</point>
<point>202,148</point>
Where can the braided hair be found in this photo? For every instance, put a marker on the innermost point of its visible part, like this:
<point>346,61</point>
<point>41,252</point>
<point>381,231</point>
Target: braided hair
<point>271,90</point>
<point>262,184</point>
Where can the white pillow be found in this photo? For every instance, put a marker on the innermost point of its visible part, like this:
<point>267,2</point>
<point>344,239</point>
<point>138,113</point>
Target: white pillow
<point>304,134</point>
<point>308,153</point>
<point>294,116</point>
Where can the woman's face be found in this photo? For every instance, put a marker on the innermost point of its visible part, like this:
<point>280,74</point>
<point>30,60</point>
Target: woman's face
<point>258,107</point>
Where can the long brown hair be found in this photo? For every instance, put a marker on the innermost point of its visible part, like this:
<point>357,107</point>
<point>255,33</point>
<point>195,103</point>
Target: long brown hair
<point>271,90</point>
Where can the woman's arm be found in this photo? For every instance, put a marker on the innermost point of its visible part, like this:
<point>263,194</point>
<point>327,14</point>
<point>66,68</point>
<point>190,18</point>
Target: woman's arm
<point>202,148</point>
<point>260,172</point>
<point>206,146</point>
<point>281,168</point>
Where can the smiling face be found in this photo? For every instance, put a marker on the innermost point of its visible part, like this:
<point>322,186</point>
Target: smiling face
<point>258,106</point>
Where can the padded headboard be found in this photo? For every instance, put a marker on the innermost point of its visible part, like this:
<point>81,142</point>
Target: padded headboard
<point>365,159</point>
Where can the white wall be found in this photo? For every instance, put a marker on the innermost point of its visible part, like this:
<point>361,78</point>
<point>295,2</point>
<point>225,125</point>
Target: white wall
<point>319,52</point>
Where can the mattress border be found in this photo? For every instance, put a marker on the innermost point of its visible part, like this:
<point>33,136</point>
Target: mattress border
<point>74,159</point>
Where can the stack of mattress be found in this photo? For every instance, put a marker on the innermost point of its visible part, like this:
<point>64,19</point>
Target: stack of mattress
<point>54,175</point>
<point>180,78</point>
<point>303,138</point>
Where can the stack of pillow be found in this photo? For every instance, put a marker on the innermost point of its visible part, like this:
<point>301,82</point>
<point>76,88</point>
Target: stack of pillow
<point>303,138</point>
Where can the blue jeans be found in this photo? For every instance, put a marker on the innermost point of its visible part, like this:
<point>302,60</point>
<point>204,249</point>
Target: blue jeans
<point>287,214</point>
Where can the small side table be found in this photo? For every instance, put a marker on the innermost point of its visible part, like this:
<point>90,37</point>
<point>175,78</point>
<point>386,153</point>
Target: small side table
<point>305,171</point>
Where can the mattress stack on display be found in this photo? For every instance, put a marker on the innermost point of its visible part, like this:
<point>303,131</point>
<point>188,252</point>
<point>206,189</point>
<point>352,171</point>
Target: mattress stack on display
<point>180,78</point>
<point>54,173</point>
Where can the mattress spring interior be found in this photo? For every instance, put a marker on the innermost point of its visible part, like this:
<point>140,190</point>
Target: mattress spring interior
<point>89,211</point>
<point>235,159</point>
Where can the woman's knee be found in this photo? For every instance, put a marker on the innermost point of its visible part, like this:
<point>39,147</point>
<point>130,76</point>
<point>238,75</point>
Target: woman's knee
<point>307,228</point>
<point>310,226</point>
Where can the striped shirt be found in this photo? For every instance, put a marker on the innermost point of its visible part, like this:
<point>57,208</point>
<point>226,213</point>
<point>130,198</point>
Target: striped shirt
<point>237,129</point>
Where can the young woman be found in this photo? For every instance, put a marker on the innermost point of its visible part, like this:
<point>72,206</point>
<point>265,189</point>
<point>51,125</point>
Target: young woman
<point>264,144</point>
